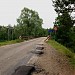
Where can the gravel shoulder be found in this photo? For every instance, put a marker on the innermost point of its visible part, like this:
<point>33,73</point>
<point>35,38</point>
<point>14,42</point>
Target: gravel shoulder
<point>53,63</point>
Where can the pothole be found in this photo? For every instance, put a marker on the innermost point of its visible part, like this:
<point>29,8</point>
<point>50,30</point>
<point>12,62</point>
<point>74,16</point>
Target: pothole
<point>24,70</point>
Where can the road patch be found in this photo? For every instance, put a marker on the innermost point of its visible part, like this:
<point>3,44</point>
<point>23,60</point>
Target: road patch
<point>24,70</point>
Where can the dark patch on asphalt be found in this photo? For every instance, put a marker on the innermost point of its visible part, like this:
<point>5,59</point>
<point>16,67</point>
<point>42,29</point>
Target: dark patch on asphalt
<point>24,70</point>
<point>40,48</point>
<point>23,61</point>
<point>39,52</point>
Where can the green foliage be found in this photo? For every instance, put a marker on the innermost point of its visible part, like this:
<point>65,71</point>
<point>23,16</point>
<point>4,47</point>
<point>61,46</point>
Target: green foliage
<point>64,25</point>
<point>63,6</point>
<point>3,33</point>
<point>65,21</point>
<point>72,39</point>
<point>29,24</point>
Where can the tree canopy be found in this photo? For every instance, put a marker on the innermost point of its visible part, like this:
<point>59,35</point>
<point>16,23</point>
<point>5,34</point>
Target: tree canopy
<point>62,6</point>
<point>65,21</point>
<point>28,24</point>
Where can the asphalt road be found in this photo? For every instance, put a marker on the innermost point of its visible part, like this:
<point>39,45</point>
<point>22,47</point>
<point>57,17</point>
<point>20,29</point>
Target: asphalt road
<point>16,54</point>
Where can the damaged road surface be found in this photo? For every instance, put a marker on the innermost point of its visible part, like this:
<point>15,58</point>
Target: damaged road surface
<point>15,55</point>
<point>24,70</point>
<point>39,49</point>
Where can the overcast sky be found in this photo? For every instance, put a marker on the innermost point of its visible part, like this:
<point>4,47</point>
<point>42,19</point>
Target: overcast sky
<point>11,9</point>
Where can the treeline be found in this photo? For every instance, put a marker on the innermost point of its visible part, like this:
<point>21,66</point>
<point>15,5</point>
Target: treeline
<point>28,24</point>
<point>65,22</point>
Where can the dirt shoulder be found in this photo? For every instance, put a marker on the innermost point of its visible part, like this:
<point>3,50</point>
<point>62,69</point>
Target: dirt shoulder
<point>53,63</point>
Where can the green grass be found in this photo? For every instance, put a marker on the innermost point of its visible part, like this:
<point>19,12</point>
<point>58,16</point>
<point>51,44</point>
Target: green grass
<point>10,42</point>
<point>63,50</point>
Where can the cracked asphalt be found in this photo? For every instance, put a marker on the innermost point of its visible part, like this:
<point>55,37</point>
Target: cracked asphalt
<point>15,55</point>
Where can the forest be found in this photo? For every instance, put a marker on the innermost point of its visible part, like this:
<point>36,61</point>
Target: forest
<point>29,24</point>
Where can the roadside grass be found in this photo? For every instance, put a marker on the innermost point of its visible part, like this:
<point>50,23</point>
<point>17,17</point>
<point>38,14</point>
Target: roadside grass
<point>63,50</point>
<point>10,42</point>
